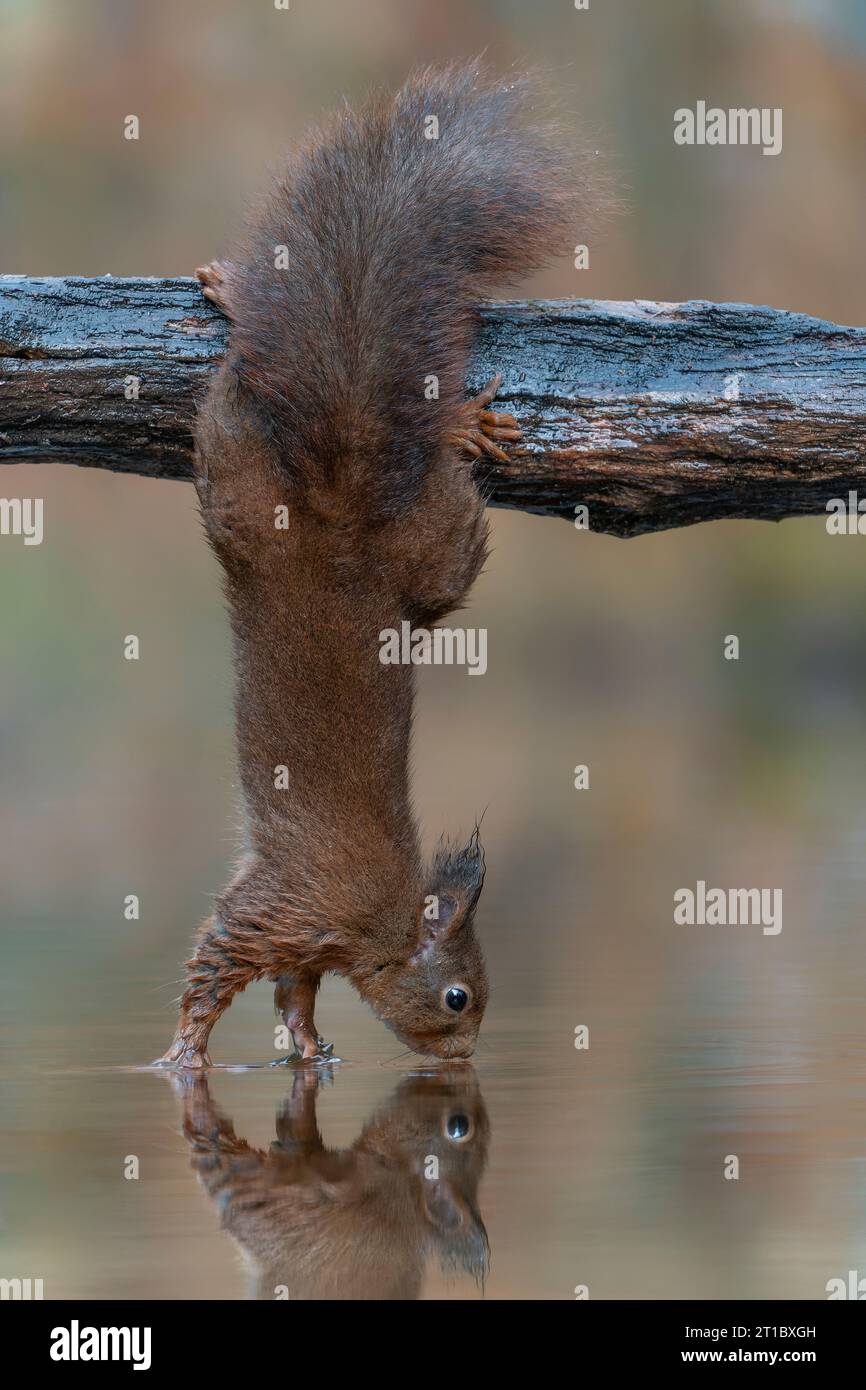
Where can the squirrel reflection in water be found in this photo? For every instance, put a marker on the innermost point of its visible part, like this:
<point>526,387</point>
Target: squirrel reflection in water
<point>357,1223</point>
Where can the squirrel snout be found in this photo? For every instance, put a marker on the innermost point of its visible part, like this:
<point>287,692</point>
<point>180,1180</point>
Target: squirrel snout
<point>447,1047</point>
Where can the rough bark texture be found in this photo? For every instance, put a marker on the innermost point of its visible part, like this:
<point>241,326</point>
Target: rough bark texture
<point>653,415</point>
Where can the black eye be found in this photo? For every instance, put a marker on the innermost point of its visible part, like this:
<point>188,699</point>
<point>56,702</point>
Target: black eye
<point>458,1126</point>
<point>456,999</point>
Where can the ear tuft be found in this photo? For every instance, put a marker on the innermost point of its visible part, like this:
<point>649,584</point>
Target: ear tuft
<point>461,872</point>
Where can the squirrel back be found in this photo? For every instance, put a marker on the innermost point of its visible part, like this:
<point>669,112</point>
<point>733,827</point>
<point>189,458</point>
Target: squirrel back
<point>359,278</point>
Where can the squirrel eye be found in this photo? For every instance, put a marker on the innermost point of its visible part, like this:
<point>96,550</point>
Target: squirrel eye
<point>456,999</point>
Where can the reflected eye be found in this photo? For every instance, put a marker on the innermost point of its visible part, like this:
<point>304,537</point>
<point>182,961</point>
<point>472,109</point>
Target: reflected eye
<point>456,999</point>
<point>457,1127</point>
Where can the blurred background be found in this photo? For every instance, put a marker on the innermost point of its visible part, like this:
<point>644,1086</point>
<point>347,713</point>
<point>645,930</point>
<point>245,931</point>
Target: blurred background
<point>606,1165</point>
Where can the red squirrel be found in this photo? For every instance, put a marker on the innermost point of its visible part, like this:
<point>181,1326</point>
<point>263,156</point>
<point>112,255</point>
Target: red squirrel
<point>357,1223</point>
<point>340,502</point>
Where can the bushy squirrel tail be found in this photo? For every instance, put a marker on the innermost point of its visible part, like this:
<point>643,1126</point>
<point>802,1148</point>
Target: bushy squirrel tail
<point>358,282</point>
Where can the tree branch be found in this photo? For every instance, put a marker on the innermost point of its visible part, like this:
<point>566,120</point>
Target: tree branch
<point>652,415</point>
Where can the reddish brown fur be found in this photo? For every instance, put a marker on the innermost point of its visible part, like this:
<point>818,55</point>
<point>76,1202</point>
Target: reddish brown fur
<point>357,1223</point>
<point>320,407</point>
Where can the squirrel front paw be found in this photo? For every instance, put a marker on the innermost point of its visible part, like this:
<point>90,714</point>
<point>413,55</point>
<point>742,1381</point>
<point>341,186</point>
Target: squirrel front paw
<point>322,1055</point>
<point>309,1047</point>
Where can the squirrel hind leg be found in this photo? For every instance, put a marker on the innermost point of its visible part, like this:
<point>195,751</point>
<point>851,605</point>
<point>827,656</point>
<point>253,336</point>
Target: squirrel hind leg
<point>215,281</point>
<point>480,431</point>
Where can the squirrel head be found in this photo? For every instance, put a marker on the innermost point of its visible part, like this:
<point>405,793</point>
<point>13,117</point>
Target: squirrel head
<point>434,995</point>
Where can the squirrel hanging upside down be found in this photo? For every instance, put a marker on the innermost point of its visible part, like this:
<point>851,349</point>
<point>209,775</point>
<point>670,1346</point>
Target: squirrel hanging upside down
<point>340,501</point>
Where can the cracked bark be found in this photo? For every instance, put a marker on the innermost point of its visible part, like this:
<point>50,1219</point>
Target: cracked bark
<point>651,415</point>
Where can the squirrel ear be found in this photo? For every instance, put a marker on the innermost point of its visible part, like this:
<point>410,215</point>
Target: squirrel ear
<point>441,916</point>
<point>456,881</point>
